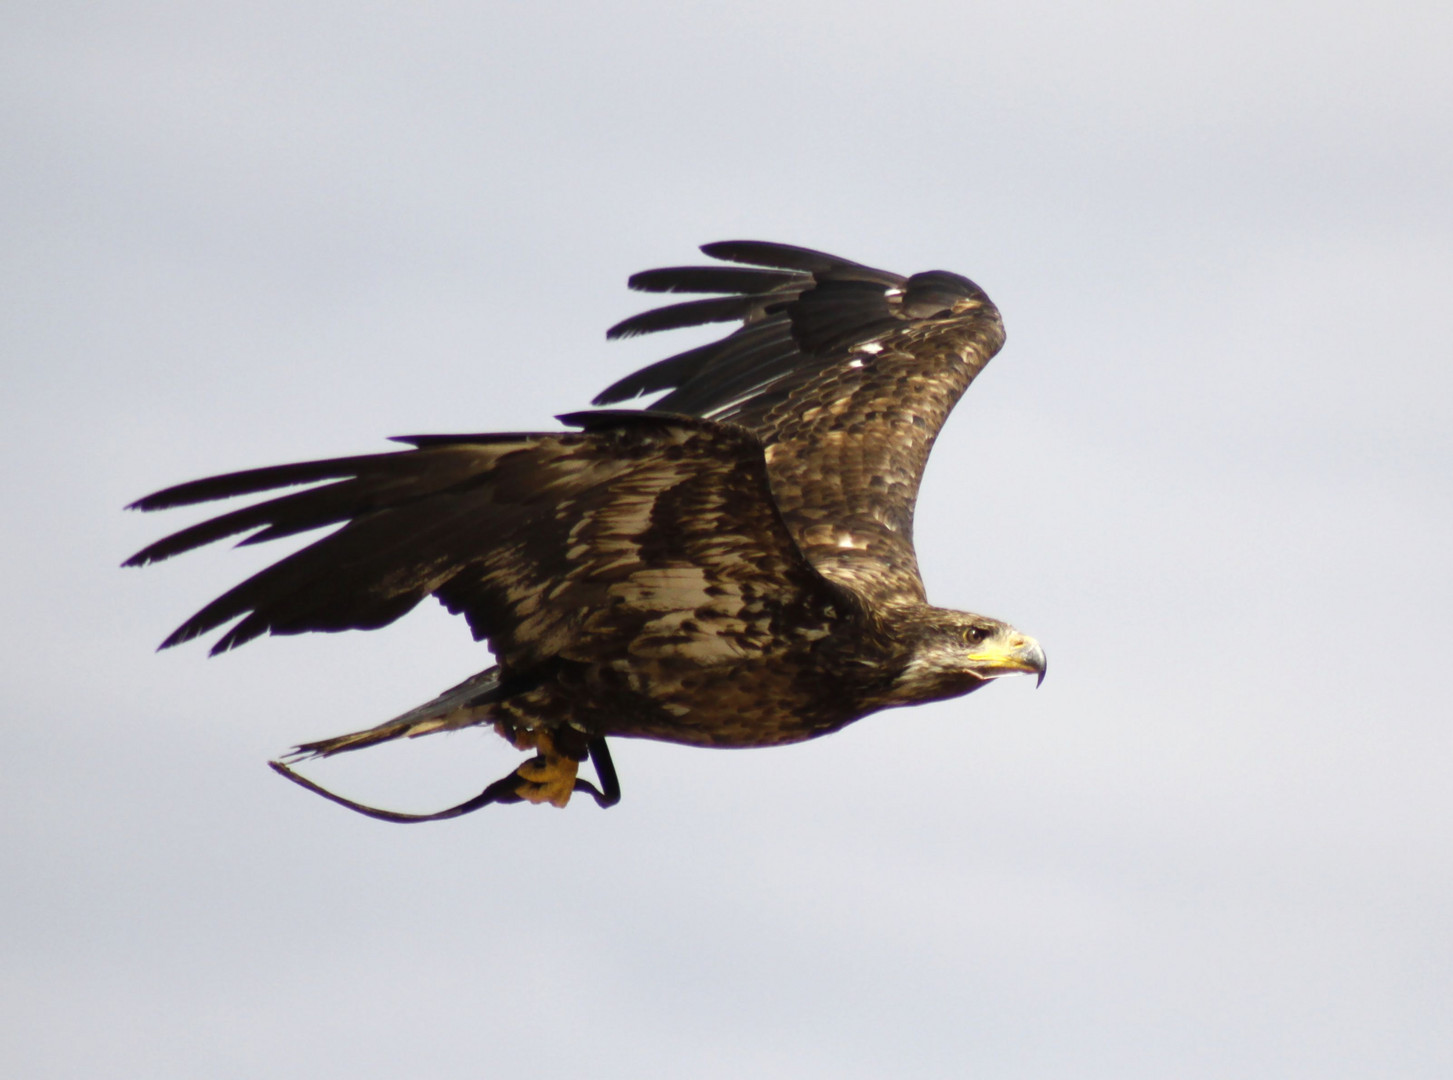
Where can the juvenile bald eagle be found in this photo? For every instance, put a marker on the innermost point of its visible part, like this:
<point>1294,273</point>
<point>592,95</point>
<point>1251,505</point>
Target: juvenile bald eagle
<point>731,567</point>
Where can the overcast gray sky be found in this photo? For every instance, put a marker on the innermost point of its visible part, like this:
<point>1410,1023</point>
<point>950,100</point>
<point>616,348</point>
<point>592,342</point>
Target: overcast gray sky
<point>1210,472</point>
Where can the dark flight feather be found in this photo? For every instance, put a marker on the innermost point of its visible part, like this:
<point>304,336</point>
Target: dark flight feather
<point>689,313</point>
<point>711,279</point>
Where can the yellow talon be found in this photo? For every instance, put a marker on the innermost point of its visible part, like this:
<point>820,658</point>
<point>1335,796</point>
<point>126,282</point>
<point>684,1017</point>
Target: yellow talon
<point>547,777</point>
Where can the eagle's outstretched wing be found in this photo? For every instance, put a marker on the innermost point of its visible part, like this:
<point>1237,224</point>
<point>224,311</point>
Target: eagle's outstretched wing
<point>846,373</point>
<point>642,536</point>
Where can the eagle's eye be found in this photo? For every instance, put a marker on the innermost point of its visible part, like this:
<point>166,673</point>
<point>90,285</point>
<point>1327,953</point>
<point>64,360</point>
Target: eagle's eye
<point>974,634</point>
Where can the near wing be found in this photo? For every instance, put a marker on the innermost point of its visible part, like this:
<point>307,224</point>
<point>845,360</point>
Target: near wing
<point>845,373</point>
<point>641,533</point>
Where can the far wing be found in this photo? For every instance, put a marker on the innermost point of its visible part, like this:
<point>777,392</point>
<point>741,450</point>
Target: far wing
<point>641,535</point>
<point>846,373</point>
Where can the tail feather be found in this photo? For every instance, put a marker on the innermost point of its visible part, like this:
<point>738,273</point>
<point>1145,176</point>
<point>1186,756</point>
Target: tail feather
<point>469,703</point>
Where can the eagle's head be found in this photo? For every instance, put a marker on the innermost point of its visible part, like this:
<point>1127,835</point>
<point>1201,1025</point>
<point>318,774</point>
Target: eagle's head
<point>955,652</point>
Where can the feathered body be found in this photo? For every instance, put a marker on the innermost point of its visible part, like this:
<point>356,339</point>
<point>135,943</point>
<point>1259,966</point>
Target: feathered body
<point>731,567</point>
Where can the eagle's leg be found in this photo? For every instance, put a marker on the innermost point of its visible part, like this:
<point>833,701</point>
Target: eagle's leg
<point>549,776</point>
<point>552,774</point>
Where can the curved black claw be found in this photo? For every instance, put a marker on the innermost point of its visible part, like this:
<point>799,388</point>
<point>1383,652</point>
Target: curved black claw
<point>605,771</point>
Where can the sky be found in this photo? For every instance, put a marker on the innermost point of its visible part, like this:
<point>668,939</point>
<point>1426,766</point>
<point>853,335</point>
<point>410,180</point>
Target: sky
<point>1211,471</point>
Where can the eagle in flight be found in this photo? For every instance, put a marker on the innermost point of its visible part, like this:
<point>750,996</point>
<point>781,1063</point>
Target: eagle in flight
<point>732,566</point>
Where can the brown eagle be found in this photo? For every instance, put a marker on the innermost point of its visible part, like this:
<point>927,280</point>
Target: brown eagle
<point>731,567</point>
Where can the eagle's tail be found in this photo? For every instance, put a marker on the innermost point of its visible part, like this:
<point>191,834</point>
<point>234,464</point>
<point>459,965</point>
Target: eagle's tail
<point>466,704</point>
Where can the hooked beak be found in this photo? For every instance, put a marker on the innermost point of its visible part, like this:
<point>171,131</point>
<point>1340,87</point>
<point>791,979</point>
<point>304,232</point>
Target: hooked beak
<point>1016,654</point>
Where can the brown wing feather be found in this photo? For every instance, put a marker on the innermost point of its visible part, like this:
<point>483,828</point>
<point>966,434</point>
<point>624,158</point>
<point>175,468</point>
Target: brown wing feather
<point>846,374</point>
<point>642,535</point>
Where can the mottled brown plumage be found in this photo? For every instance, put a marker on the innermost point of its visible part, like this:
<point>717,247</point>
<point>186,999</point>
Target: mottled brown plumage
<point>732,567</point>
